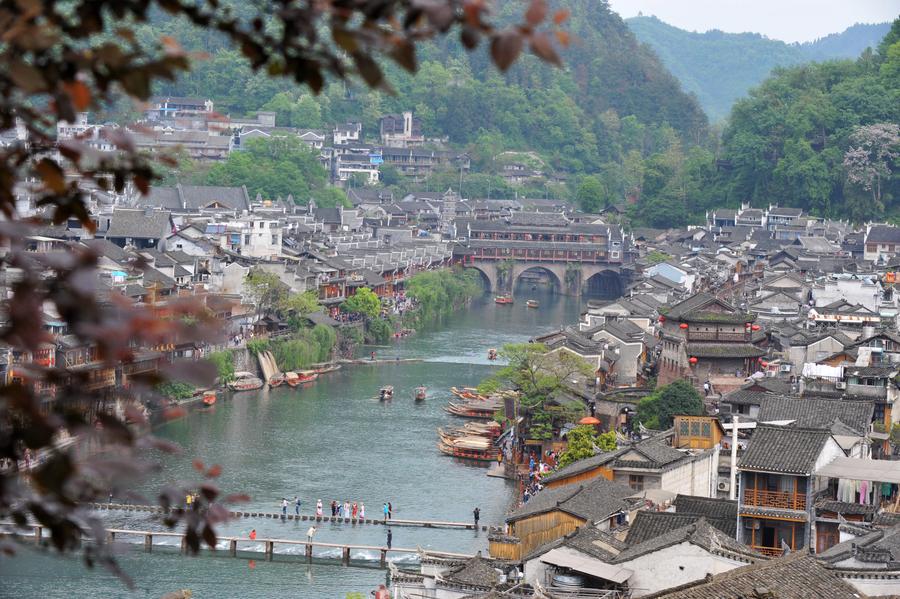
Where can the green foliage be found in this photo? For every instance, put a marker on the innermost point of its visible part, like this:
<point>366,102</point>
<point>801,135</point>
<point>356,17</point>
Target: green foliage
<point>175,389</point>
<point>679,398</point>
<point>258,345</point>
<point>536,372</point>
<point>364,301</point>
<point>308,347</point>
<point>590,195</point>
<point>224,363</point>
<point>440,292</point>
<point>298,305</point>
<point>274,167</point>
<point>656,257</point>
<point>266,290</point>
<point>541,427</point>
<point>895,434</point>
<point>787,142</point>
<point>607,441</point>
<point>379,330</point>
<point>581,441</point>
<point>721,67</point>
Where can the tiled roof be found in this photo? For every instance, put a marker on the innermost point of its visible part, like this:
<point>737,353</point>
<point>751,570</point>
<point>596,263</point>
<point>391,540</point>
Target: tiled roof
<point>700,533</point>
<point>195,197</point>
<point>589,540</point>
<point>883,234</point>
<point>795,576</point>
<point>817,412</point>
<point>744,397</point>
<point>593,501</point>
<point>583,465</point>
<point>478,571</point>
<point>649,525</point>
<point>706,506</point>
<point>138,224</point>
<point>784,449</point>
<point>844,507</point>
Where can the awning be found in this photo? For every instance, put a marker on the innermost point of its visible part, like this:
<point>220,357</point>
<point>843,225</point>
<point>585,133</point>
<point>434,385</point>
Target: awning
<point>883,471</point>
<point>575,560</point>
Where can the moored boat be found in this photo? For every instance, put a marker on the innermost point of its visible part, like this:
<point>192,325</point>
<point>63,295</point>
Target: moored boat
<point>276,379</point>
<point>245,381</point>
<point>532,303</point>
<point>308,377</point>
<point>503,299</point>
<point>468,448</point>
<point>209,397</point>
<point>292,379</point>
<point>386,393</point>
<point>421,392</point>
<point>469,410</point>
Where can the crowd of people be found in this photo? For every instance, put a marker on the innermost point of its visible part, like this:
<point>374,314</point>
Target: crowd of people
<point>538,466</point>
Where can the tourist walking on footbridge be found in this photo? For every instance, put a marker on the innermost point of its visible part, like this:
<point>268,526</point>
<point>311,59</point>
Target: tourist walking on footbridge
<point>477,514</point>
<point>387,514</point>
<point>284,505</point>
<point>310,533</point>
<point>346,513</point>
<point>333,508</point>
<point>354,510</point>
<point>390,510</point>
<point>253,535</point>
<point>297,505</point>
<point>319,508</point>
<point>362,510</point>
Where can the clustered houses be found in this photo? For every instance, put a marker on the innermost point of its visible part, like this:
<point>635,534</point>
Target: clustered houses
<point>788,326</point>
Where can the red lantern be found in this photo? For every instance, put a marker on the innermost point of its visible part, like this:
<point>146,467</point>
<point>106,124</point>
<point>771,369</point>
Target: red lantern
<point>760,360</point>
<point>683,325</point>
<point>755,327</point>
<point>662,318</point>
<point>763,363</point>
<point>693,360</point>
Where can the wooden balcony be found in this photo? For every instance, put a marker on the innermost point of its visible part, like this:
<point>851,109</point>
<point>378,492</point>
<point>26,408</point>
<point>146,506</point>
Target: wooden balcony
<point>775,499</point>
<point>770,551</point>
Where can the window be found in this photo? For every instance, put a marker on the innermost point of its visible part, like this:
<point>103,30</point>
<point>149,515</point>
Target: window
<point>274,239</point>
<point>695,429</point>
<point>636,482</point>
<point>246,239</point>
<point>683,428</point>
<point>707,429</point>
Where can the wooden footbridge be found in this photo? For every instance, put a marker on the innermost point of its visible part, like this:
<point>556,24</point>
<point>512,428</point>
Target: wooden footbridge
<point>246,545</point>
<point>152,509</point>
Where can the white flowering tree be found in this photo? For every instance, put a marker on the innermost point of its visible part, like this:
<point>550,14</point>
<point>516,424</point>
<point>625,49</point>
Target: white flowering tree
<point>871,157</point>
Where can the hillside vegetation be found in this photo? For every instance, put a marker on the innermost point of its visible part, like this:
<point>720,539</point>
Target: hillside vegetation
<point>721,67</point>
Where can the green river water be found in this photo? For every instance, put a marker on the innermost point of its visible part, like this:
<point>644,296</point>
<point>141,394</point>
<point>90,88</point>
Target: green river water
<point>329,440</point>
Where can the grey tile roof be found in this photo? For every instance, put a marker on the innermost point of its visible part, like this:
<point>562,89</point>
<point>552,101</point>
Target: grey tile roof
<point>593,501</point>
<point>109,250</point>
<point>844,507</point>
<point>784,449</point>
<point>138,224</point>
<point>706,506</point>
<point>544,219</point>
<point>649,525</point>
<point>195,197</point>
<point>583,465</point>
<point>795,576</point>
<point>478,571</point>
<point>883,234</point>
<point>700,533</point>
<point>162,197</point>
<point>817,412</point>
<point>744,397</point>
<point>656,454</point>
<point>589,540</point>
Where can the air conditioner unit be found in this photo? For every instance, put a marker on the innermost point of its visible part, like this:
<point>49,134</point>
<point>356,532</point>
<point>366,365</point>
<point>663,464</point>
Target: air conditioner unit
<point>724,485</point>
<point>840,385</point>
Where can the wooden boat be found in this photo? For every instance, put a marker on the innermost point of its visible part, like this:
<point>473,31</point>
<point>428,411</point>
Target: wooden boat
<point>489,430</point>
<point>386,393</point>
<point>292,379</point>
<point>532,303</point>
<point>328,369</point>
<point>245,381</point>
<point>503,299</point>
<point>467,393</point>
<point>276,380</point>
<point>209,397</point>
<point>308,377</point>
<point>468,410</point>
<point>468,447</point>
<point>420,393</point>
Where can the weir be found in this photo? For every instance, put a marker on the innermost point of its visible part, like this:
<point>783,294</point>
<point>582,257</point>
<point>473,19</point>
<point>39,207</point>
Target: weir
<point>268,365</point>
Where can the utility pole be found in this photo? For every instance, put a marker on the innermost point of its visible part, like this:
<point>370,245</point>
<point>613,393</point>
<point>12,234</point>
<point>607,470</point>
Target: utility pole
<point>734,444</point>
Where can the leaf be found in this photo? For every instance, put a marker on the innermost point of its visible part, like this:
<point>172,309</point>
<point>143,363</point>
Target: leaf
<point>543,48</point>
<point>209,536</point>
<point>368,69</point>
<point>79,93</point>
<point>469,37</point>
<point>536,13</point>
<point>404,54</point>
<point>505,48</point>
<point>214,471</point>
<point>198,465</point>
<point>560,16</point>
<point>28,78</point>
<point>52,175</point>
<point>563,38</point>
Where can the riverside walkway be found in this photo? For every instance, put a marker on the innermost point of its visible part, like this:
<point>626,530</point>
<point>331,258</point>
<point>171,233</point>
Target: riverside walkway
<point>231,545</point>
<point>153,509</point>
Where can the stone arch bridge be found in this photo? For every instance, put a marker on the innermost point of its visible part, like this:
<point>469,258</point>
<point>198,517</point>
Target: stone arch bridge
<point>571,278</point>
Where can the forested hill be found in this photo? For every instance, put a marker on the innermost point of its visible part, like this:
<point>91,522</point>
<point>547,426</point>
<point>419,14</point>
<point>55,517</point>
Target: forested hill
<point>613,95</point>
<point>721,67</point>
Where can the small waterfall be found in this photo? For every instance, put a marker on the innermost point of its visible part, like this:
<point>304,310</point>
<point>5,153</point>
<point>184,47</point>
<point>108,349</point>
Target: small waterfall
<point>268,365</point>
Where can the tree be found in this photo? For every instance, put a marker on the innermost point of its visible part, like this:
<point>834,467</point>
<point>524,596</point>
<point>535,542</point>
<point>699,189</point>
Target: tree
<point>675,399</point>
<point>266,290</point>
<point>58,59</point>
<point>584,442</point>
<point>224,364</point>
<point>300,304</point>
<point>389,175</point>
<point>364,302</point>
<point>537,372</point>
<point>590,195</point>
<point>870,159</point>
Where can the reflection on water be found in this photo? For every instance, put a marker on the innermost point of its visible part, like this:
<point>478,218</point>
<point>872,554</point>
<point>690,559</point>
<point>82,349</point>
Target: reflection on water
<point>333,440</point>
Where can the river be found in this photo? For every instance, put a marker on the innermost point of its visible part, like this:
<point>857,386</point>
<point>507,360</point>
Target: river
<point>329,440</point>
